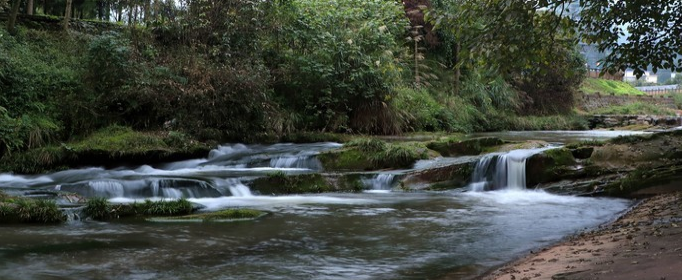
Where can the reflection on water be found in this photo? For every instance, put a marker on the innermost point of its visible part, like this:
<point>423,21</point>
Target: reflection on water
<point>346,236</point>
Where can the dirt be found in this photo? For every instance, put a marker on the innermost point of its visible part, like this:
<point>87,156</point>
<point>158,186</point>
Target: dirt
<point>645,243</point>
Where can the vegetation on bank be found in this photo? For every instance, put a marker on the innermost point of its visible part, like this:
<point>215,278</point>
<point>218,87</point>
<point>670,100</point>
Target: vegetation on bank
<point>110,146</point>
<point>272,71</point>
<point>26,210</point>
<point>373,154</point>
<point>635,108</point>
<point>101,209</point>
<point>608,87</point>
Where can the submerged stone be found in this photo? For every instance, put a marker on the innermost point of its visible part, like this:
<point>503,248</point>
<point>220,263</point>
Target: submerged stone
<point>229,215</point>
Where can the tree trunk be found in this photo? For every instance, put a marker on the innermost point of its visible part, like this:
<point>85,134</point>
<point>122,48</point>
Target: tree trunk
<point>29,7</point>
<point>147,11</point>
<point>12,20</point>
<point>67,14</point>
<point>458,70</point>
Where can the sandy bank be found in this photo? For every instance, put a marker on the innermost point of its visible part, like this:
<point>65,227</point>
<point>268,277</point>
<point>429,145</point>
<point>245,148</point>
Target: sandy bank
<point>645,243</point>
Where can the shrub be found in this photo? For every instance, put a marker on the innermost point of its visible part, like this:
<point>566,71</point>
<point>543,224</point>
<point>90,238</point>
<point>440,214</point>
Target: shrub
<point>341,78</point>
<point>35,211</point>
<point>165,208</point>
<point>367,144</point>
<point>98,208</point>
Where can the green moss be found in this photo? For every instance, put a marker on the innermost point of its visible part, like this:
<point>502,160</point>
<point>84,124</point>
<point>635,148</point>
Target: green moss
<point>550,166</point>
<point>110,146</point>
<point>642,178</point>
<point>601,86</point>
<point>454,147</point>
<point>373,154</point>
<point>560,156</point>
<point>280,183</point>
<point>350,182</point>
<point>220,216</point>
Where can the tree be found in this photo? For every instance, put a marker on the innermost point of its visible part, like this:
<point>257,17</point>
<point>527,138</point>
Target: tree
<point>67,14</point>
<point>29,7</point>
<point>11,22</point>
<point>651,29</point>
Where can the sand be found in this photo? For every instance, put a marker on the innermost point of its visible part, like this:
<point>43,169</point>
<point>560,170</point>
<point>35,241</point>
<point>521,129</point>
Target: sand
<point>645,243</point>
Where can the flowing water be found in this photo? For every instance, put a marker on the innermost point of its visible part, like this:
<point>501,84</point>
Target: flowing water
<point>378,234</point>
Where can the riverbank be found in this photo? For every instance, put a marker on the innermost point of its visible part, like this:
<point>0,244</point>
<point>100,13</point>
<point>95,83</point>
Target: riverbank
<point>644,243</point>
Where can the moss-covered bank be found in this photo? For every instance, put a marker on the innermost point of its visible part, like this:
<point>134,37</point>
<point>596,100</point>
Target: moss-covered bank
<point>26,210</point>
<point>280,183</point>
<point>622,167</point>
<point>101,209</point>
<point>109,147</point>
<point>365,154</point>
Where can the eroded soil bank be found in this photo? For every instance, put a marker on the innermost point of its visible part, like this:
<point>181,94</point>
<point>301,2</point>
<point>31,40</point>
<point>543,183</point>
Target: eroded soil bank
<point>645,243</point>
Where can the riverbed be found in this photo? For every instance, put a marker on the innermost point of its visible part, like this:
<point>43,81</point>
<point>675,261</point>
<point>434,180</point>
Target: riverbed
<point>381,233</point>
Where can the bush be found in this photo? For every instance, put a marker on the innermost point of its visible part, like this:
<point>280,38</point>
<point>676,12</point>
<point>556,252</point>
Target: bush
<point>419,110</point>
<point>99,208</point>
<point>165,208</point>
<point>341,79</point>
<point>33,211</point>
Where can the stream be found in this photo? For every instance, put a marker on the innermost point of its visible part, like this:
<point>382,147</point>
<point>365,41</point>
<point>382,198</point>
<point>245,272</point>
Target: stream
<point>381,233</point>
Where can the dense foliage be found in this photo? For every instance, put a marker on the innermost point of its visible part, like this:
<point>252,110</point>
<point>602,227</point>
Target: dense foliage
<point>248,70</point>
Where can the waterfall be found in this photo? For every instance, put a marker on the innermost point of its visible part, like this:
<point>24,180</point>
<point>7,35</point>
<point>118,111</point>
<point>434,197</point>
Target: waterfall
<point>233,185</point>
<point>380,182</point>
<point>240,190</point>
<point>502,171</point>
<point>107,188</point>
<point>296,161</point>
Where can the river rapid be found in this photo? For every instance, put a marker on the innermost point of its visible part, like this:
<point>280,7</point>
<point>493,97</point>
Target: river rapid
<point>382,233</point>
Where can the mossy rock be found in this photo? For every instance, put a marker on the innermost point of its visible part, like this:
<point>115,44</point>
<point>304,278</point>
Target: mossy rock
<point>280,183</point>
<point>373,154</point>
<point>642,178</point>
<point>228,215</point>
<point>440,178</point>
<point>550,166</point>
<point>346,159</point>
<point>582,152</point>
<point>452,147</point>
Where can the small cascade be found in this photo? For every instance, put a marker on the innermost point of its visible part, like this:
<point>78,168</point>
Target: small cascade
<point>234,186</point>
<point>73,213</point>
<point>304,162</point>
<point>380,182</point>
<point>164,188</point>
<point>502,171</point>
<point>240,190</point>
<point>107,188</point>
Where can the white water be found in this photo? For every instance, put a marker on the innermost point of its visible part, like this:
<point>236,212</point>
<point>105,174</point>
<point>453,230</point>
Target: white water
<point>380,183</point>
<point>502,171</point>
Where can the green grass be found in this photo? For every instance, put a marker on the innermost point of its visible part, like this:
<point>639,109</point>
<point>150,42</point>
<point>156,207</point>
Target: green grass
<point>637,108</point>
<point>120,139</point>
<point>607,87</point>
<point>23,210</point>
<point>101,209</point>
